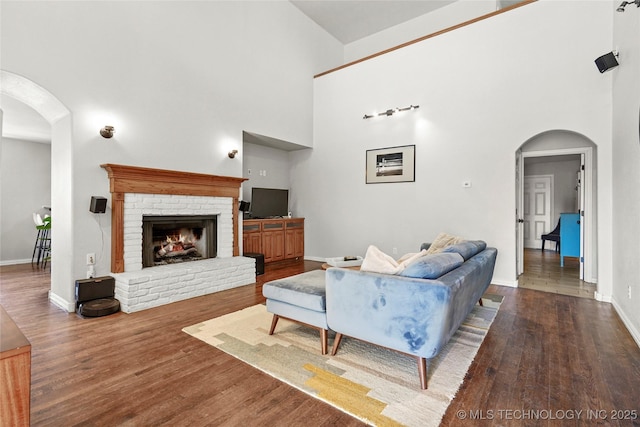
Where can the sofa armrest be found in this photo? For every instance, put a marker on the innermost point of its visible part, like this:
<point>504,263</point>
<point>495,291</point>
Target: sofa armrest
<point>406,314</point>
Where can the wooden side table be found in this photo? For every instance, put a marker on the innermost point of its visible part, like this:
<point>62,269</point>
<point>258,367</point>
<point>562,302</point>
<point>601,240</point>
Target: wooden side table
<point>15,374</point>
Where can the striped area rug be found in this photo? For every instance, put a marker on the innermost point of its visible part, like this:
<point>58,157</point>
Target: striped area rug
<point>374,384</point>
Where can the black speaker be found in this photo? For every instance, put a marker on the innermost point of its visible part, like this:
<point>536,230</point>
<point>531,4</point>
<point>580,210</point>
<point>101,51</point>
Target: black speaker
<point>244,206</point>
<point>606,62</point>
<point>98,204</point>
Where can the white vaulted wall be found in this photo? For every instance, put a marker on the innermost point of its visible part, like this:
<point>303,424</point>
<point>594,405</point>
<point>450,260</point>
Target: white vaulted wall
<point>483,91</point>
<point>179,80</point>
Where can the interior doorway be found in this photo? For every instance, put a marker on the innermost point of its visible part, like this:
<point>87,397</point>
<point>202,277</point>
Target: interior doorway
<point>568,160</point>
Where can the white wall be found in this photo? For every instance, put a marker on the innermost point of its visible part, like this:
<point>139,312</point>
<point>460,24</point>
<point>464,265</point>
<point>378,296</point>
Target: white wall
<point>513,76</point>
<point>178,80</point>
<point>626,174</point>
<point>25,186</point>
<point>264,167</point>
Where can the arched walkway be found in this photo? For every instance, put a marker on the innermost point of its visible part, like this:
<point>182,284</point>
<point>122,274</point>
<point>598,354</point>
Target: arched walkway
<point>49,107</point>
<point>550,145</point>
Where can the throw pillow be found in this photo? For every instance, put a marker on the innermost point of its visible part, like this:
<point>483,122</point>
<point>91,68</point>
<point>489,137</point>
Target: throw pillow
<point>378,262</point>
<point>442,241</point>
<point>433,266</point>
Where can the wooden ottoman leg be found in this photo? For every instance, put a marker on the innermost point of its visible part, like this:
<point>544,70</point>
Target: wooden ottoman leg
<point>323,340</point>
<point>274,321</point>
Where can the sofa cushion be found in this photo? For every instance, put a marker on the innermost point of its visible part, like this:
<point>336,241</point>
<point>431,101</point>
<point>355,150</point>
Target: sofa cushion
<point>305,290</point>
<point>466,248</point>
<point>442,241</point>
<point>433,266</point>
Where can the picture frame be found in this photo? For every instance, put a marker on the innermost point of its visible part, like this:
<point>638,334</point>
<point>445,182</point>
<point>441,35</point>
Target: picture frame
<point>392,164</point>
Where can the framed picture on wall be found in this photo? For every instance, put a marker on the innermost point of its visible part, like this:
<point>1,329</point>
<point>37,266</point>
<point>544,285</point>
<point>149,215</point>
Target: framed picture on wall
<point>394,164</point>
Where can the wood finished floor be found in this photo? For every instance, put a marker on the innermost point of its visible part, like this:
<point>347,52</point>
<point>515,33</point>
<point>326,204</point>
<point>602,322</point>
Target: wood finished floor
<point>544,351</point>
<point>542,272</point>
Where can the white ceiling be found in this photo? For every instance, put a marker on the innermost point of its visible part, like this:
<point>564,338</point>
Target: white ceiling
<point>351,20</point>
<point>23,122</point>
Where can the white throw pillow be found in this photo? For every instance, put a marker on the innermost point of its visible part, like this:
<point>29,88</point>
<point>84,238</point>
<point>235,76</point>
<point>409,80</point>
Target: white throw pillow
<point>442,241</point>
<point>378,262</point>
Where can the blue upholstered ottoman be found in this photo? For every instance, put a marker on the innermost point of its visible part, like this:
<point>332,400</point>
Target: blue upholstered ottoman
<point>300,298</point>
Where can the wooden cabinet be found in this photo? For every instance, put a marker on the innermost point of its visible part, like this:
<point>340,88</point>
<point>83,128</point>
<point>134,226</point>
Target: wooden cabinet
<point>277,239</point>
<point>15,374</point>
<point>294,239</point>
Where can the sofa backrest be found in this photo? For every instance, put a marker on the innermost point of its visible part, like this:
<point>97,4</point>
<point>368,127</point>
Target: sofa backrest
<point>467,248</point>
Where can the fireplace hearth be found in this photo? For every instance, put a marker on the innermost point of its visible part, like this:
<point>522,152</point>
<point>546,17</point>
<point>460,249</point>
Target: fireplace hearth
<point>173,239</point>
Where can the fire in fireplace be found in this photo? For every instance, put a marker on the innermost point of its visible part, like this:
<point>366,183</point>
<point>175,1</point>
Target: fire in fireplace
<point>178,238</point>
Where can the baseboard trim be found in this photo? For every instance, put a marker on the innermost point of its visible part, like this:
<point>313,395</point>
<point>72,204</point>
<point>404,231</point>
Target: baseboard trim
<point>15,262</point>
<point>507,283</point>
<point>635,334</point>
<point>62,303</point>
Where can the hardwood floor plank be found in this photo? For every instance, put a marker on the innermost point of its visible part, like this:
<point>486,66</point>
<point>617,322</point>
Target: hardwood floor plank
<point>543,351</point>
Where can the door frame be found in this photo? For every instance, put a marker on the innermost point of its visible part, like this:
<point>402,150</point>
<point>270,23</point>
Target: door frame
<point>588,256</point>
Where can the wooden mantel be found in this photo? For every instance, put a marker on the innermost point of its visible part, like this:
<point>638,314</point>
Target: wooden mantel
<point>132,179</point>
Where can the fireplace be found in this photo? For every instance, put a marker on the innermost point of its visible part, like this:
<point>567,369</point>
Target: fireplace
<point>173,239</point>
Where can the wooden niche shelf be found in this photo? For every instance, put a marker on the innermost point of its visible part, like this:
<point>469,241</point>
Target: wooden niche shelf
<point>133,179</point>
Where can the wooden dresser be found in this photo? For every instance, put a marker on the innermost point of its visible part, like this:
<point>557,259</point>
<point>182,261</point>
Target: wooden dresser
<point>15,374</point>
<point>278,239</point>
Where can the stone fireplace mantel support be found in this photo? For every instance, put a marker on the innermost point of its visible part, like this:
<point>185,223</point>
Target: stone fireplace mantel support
<point>132,179</point>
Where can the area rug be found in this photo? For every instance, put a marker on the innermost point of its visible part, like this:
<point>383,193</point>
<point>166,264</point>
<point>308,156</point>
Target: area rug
<point>376,385</point>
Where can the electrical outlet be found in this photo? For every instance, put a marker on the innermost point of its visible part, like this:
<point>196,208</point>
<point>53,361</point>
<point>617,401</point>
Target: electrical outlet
<point>395,251</point>
<point>91,259</point>
<point>629,291</point>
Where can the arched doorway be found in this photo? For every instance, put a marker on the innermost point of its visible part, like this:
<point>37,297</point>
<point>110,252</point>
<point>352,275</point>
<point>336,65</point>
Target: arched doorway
<point>59,117</point>
<point>566,147</point>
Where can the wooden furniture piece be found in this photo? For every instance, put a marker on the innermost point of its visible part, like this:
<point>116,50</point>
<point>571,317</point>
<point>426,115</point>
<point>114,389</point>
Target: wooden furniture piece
<point>569,236</point>
<point>15,374</point>
<point>278,239</point>
<point>553,236</point>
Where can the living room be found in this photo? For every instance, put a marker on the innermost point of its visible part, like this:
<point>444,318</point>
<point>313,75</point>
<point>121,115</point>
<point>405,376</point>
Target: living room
<point>183,82</point>
<point>535,83</point>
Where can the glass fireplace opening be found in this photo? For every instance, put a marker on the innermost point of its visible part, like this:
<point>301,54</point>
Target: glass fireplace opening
<point>178,238</point>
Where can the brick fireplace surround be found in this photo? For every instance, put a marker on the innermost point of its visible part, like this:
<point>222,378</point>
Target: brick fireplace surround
<point>137,191</point>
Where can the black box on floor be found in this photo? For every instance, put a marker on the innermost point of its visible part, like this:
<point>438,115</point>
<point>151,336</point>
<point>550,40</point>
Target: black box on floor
<point>95,297</point>
<point>259,261</point>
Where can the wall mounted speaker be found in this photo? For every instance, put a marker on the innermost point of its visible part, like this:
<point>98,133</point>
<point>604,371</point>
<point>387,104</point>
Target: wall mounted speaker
<point>607,62</point>
<point>244,206</point>
<point>98,204</point>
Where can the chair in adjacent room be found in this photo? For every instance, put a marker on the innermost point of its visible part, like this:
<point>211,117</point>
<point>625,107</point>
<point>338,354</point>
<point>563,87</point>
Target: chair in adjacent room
<point>554,236</point>
<point>42,246</point>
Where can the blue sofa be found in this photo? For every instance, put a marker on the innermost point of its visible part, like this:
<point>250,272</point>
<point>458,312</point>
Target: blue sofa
<point>415,312</point>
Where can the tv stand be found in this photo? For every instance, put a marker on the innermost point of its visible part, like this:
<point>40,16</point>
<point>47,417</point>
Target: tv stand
<point>276,238</point>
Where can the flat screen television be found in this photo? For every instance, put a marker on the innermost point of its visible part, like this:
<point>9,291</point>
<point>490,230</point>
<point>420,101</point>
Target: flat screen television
<point>269,202</point>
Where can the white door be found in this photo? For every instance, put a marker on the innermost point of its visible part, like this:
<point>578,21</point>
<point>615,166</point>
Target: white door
<point>537,197</point>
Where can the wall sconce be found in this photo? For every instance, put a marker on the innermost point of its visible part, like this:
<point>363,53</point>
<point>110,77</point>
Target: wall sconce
<point>625,3</point>
<point>232,154</point>
<point>392,111</point>
<point>107,132</point>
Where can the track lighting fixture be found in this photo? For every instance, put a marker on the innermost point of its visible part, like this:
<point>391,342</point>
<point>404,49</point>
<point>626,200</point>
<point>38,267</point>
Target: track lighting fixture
<point>392,111</point>
<point>626,3</point>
